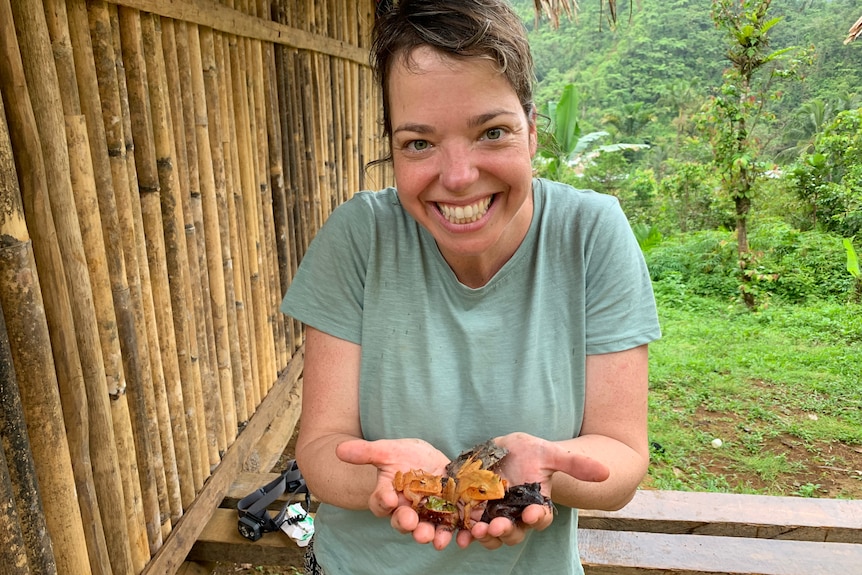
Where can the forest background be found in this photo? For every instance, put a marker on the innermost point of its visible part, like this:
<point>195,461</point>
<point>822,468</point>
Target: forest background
<point>755,385</point>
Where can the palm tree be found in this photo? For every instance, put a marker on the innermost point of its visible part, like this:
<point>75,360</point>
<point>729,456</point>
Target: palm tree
<point>855,31</point>
<point>553,9</point>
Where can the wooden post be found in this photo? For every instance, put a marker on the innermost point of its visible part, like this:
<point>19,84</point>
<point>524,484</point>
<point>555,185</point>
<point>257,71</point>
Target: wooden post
<point>23,530</point>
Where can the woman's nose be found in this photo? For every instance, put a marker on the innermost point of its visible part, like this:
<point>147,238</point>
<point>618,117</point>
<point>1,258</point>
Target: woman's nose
<point>458,168</point>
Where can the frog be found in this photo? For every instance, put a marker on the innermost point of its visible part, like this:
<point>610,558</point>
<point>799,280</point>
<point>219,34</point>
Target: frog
<point>516,499</point>
<point>439,511</point>
<point>417,485</point>
<point>472,488</point>
<point>488,453</point>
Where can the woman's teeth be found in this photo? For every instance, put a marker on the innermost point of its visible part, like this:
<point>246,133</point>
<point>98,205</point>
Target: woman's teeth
<point>465,214</point>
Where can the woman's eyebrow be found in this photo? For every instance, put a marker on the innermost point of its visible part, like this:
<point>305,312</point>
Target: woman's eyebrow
<point>488,116</point>
<point>417,128</point>
<point>473,122</point>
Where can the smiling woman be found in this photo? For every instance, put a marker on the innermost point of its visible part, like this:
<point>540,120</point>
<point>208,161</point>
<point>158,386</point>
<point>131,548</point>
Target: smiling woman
<point>469,302</point>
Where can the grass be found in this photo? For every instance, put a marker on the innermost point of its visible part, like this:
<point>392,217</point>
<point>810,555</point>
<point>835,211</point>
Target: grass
<point>780,388</point>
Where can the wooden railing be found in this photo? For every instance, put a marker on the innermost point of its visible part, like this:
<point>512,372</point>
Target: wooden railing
<point>659,532</point>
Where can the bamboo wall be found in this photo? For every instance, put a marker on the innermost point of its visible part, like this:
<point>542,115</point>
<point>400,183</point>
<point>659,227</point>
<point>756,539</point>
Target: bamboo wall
<point>163,166</point>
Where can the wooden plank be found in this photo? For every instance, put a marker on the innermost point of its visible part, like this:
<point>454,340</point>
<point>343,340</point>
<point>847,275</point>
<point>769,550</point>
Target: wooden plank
<point>225,19</point>
<point>736,515</point>
<point>220,541</point>
<point>629,553</point>
<point>274,441</point>
<point>178,544</point>
<point>247,482</point>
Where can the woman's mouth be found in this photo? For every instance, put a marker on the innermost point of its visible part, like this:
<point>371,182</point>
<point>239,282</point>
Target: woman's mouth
<point>465,214</point>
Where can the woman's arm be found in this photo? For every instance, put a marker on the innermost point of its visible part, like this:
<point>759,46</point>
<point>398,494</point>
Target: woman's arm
<point>351,474</point>
<point>330,415</point>
<point>614,431</point>
<point>600,469</point>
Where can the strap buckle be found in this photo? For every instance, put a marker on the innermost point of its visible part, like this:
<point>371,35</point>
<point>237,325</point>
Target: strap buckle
<point>255,520</point>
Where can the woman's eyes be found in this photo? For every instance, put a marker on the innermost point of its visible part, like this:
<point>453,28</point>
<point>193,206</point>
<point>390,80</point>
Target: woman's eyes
<point>494,133</point>
<point>491,134</point>
<point>418,145</point>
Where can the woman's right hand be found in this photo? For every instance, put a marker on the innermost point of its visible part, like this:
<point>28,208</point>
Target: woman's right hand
<point>390,456</point>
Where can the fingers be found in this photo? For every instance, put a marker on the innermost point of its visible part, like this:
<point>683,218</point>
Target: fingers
<point>581,467</point>
<point>357,452</point>
<point>383,501</point>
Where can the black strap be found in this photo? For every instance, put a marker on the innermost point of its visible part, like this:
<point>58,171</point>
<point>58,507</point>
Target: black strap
<point>255,520</point>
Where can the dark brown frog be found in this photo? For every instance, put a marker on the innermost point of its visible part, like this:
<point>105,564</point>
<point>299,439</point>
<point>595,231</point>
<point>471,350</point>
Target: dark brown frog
<point>516,499</point>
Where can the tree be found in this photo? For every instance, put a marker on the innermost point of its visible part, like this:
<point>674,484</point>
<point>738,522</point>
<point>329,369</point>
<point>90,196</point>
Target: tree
<point>734,116</point>
<point>563,144</point>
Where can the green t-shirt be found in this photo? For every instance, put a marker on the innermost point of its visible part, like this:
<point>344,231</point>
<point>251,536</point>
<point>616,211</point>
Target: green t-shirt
<point>456,366</point>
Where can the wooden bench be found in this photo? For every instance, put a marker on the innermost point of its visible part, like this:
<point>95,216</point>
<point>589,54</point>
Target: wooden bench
<point>687,533</point>
<point>659,532</point>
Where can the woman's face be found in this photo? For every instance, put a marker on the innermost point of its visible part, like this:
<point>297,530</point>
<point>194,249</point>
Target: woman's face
<point>461,149</point>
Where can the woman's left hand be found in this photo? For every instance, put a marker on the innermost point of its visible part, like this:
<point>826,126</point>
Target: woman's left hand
<point>531,460</point>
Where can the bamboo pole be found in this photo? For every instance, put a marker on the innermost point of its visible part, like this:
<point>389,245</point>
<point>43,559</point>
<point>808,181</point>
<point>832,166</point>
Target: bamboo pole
<point>145,181</point>
<point>38,67</point>
<point>269,315</point>
<point>13,553</point>
<point>131,321</point>
<point>231,250</point>
<point>214,204</point>
<point>113,305</point>
<point>243,306</point>
<point>262,341</point>
<point>23,526</point>
<point>183,148</point>
<point>172,264</point>
<point>247,229</point>
<point>274,197</point>
<point>274,102</point>
<point>150,130</point>
<point>217,415</point>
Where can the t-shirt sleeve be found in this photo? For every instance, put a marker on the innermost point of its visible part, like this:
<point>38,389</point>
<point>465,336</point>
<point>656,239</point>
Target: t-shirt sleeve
<point>620,306</point>
<point>327,291</point>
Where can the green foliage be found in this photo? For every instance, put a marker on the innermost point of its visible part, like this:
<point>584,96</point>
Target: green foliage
<point>563,144</point>
<point>796,267</point>
<point>829,180</point>
<point>853,268</point>
<point>648,236</point>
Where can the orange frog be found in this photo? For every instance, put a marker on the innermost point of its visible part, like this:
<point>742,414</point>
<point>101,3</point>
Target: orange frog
<point>472,488</point>
<point>417,485</point>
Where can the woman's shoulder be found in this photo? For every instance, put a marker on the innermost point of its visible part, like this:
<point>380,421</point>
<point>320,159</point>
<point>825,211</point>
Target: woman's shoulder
<point>365,210</point>
<point>557,195</point>
<point>569,205</point>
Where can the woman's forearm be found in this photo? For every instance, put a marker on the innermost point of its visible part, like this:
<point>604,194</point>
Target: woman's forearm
<point>627,469</point>
<point>331,480</point>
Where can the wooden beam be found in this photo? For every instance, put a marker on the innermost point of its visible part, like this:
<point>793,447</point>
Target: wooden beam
<point>734,515</point>
<point>220,541</point>
<point>173,553</point>
<point>225,19</point>
<point>629,553</point>
<point>274,441</point>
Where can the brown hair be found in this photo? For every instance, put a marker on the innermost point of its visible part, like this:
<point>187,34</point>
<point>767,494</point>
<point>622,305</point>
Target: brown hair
<point>459,29</point>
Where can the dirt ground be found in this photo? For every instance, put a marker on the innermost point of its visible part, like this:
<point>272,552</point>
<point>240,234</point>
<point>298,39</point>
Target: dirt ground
<point>820,469</point>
